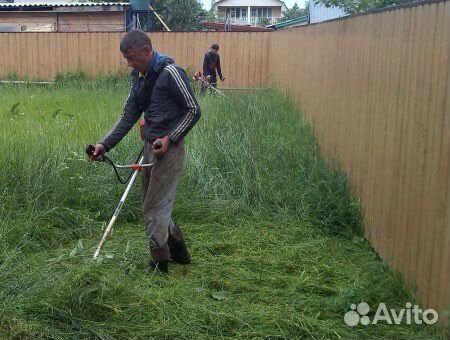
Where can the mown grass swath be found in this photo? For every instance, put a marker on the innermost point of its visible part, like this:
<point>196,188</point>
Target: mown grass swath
<point>274,233</point>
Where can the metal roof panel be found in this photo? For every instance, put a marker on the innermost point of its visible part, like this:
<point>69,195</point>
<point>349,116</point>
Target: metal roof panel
<point>62,4</point>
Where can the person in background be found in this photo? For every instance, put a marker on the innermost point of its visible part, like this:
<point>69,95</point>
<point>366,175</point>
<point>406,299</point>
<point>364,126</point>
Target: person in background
<point>211,63</point>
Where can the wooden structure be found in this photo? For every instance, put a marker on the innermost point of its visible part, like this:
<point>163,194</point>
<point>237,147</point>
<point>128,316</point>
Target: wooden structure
<point>63,17</point>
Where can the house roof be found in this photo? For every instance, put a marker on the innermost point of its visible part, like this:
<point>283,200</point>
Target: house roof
<point>304,20</point>
<point>62,4</point>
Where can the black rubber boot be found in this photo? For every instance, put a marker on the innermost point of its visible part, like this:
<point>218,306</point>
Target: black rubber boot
<point>161,266</point>
<point>179,253</point>
<point>177,246</point>
<point>160,259</point>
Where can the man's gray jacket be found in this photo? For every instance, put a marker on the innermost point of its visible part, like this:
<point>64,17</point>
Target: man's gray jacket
<point>173,109</point>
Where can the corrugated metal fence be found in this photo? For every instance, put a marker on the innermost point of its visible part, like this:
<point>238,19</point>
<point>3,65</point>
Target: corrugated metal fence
<point>244,55</point>
<point>376,87</point>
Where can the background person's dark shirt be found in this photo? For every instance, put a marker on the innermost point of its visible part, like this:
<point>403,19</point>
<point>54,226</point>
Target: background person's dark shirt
<point>210,64</point>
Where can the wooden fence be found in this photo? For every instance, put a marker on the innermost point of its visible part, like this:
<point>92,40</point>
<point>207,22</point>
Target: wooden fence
<point>376,88</point>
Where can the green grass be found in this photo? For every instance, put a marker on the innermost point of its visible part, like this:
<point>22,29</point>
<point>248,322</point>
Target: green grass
<point>274,234</point>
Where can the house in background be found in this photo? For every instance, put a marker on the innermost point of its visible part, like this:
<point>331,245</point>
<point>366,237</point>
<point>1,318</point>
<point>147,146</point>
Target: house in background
<point>249,12</point>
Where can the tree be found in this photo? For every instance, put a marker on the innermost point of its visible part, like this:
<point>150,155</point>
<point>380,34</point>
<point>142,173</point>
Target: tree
<point>180,15</point>
<point>358,6</point>
<point>294,13</point>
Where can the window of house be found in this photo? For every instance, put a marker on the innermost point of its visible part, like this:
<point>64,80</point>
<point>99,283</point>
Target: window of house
<point>261,12</point>
<point>237,13</point>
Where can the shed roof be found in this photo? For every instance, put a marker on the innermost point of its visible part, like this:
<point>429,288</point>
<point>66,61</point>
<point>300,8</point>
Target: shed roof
<point>62,4</point>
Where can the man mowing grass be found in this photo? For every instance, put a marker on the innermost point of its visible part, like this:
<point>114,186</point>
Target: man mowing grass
<point>211,63</point>
<point>161,90</point>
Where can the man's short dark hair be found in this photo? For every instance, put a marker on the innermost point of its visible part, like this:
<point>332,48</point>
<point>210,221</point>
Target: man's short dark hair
<point>215,47</point>
<point>135,40</point>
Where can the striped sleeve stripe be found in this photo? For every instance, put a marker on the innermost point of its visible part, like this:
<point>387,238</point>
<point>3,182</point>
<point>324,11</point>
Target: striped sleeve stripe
<point>188,97</point>
<point>190,117</point>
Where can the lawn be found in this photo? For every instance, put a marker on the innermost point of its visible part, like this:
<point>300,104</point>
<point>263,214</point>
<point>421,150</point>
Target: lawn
<point>275,235</point>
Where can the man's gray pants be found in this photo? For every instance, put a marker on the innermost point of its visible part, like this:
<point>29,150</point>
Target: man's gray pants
<point>159,186</point>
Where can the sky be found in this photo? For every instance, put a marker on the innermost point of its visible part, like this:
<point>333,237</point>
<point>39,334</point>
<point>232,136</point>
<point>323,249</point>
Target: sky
<point>289,3</point>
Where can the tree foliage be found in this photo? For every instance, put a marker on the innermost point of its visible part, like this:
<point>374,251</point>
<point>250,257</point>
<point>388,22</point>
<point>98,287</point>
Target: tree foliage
<point>358,6</point>
<point>263,21</point>
<point>294,13</point>
<point>180,15</point>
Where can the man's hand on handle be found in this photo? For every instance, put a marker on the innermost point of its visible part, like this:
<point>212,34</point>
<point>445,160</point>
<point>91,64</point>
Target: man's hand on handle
<point>160,151</point>
<point>99,151</point>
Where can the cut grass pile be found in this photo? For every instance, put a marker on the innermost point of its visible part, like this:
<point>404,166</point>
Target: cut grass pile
<point>274,234</point>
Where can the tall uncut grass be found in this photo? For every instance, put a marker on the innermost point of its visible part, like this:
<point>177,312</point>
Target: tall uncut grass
<point>275,235</point>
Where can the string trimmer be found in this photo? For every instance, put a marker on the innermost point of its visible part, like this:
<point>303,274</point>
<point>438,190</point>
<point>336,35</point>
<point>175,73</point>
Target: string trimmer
<point>135,169</point>
<point>198,77</point>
